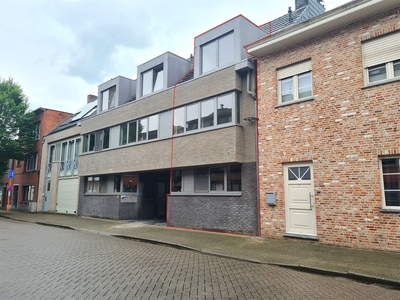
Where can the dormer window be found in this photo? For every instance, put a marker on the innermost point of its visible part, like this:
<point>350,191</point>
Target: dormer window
<point>152,80</point>
<point>108,98</point>
<point>217,53</point>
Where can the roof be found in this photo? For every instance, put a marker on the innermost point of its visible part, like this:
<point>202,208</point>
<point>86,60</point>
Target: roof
<point>333,19</point>
<point>87,110</point>
<point>283,21</point>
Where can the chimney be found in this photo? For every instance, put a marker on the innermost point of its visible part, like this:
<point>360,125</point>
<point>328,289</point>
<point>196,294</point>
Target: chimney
<point>301,3</point>
<point>290,14</point>
<point>90,97</point>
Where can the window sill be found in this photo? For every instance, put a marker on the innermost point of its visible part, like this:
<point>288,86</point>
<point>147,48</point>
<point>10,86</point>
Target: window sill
<point>212,194</point>
<point>295,102</point>
<point>390,210</point>
<point>380,82</point>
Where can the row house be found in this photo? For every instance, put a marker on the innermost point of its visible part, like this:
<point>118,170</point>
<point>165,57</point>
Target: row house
<point>329,128</point>
<point>25,194</point>
<point>177,144</point>
<point>61,149</point>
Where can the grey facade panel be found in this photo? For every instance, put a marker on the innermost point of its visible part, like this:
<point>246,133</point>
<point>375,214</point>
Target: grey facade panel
<point>218,213</point>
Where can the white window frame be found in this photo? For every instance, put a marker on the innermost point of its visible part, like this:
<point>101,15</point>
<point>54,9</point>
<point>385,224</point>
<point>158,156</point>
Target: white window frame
<point>381,51</point>
<point>384,206</point>
<point>293,72</point>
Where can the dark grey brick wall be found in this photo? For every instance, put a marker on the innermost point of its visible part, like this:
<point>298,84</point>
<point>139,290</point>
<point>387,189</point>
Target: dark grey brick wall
<point>227,214</point>
<point>107,206</point>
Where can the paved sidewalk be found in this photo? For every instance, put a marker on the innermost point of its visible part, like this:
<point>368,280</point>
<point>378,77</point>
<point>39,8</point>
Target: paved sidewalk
<point>365,265</point>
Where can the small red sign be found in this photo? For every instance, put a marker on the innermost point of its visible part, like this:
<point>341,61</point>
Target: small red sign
<point>10,188</point>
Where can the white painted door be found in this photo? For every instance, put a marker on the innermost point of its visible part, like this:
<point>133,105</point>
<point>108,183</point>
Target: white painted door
<point>67,196</point>
<point>299,200</point>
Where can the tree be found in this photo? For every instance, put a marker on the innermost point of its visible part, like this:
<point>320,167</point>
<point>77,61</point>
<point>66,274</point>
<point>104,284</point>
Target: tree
<point>16,123</point>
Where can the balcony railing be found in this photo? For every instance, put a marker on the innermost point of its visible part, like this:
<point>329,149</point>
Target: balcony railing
<point>69,167</point>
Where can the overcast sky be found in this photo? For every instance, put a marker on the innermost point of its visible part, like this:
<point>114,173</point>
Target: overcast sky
<point>59,51</point>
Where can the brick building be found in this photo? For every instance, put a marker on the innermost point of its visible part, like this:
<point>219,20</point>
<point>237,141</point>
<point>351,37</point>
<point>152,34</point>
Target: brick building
<point>27,172</point>
<point>329,128</point>
<point>179,143</point>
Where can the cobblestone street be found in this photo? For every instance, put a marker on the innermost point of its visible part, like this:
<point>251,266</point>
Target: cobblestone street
<point>39,262</point>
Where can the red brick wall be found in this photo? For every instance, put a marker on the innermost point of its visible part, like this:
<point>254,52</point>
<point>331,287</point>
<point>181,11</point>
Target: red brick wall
<point>343,131</point>
<point>48,120</point>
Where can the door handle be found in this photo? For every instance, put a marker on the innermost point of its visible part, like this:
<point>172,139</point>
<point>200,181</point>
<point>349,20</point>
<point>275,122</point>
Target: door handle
<point>311,205</point>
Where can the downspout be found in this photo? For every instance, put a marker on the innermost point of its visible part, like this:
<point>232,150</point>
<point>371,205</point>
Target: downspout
<point>255,97</point>
<point>256,113</point>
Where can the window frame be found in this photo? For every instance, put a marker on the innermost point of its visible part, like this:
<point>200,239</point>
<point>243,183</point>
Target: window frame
<point>36,131</point>
<point>31,158</point>
<point>156,75</point>
<point>293,72</point>
<point>382,181</point>
<point>381,51</point>
<point>389,72</point>
<point>87,142</point>
<point>188,185</point>
<point>217,53</point>
<point>110,102</point>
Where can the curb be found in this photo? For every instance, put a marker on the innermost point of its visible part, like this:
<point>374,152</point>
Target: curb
<point>388,283</point>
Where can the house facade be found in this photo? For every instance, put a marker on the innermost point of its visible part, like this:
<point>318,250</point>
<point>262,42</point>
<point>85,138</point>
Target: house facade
<point>179,143</point>
<point>329,128</point>
<point>59,181</point>
<point>173,143</point>
<point>25,194</point>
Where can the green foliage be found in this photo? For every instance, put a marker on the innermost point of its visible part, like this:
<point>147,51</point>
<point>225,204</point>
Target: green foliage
<point>16,123</point>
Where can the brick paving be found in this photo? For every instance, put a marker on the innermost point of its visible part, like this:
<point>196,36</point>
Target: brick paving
<point>39,262</point>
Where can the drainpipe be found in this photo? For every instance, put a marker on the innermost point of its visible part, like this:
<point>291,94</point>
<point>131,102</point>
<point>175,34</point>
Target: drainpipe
<point>253,94</point>
<point>255,97</point>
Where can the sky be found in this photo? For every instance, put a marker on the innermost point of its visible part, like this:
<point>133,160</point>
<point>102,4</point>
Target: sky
<point>60,51</point>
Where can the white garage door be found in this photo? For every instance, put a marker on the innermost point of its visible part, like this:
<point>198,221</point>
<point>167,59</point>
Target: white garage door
<point>67,198</point>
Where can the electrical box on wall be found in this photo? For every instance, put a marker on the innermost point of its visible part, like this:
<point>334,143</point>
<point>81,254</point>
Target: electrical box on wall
<point>271,198</point>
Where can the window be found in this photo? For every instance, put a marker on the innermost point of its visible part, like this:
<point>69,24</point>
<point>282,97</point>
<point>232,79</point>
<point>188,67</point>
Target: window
<point>390,171</point>
<point>130,183</point>
<point>102,139</point>
<point>381,58</point>
<point>218,179</point>
<point>103,184</point>
<point>179,120</point>
<point>217,53</point>
<point>152,80</point>
<point>88,142</point>
<point>207,113</point>
<point>177,181</point>
<point>143,129</point>
<point>153,127</point>
<point>123,132</point>
<point>295,82</point>
<point>29,193</point>
<point>92,184</point>
<point>201,180</point>
<point>108,98</point>
<point>36,131</point>
<point>192,117</point>
<point>31,161</point>
<point>224,109</point>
